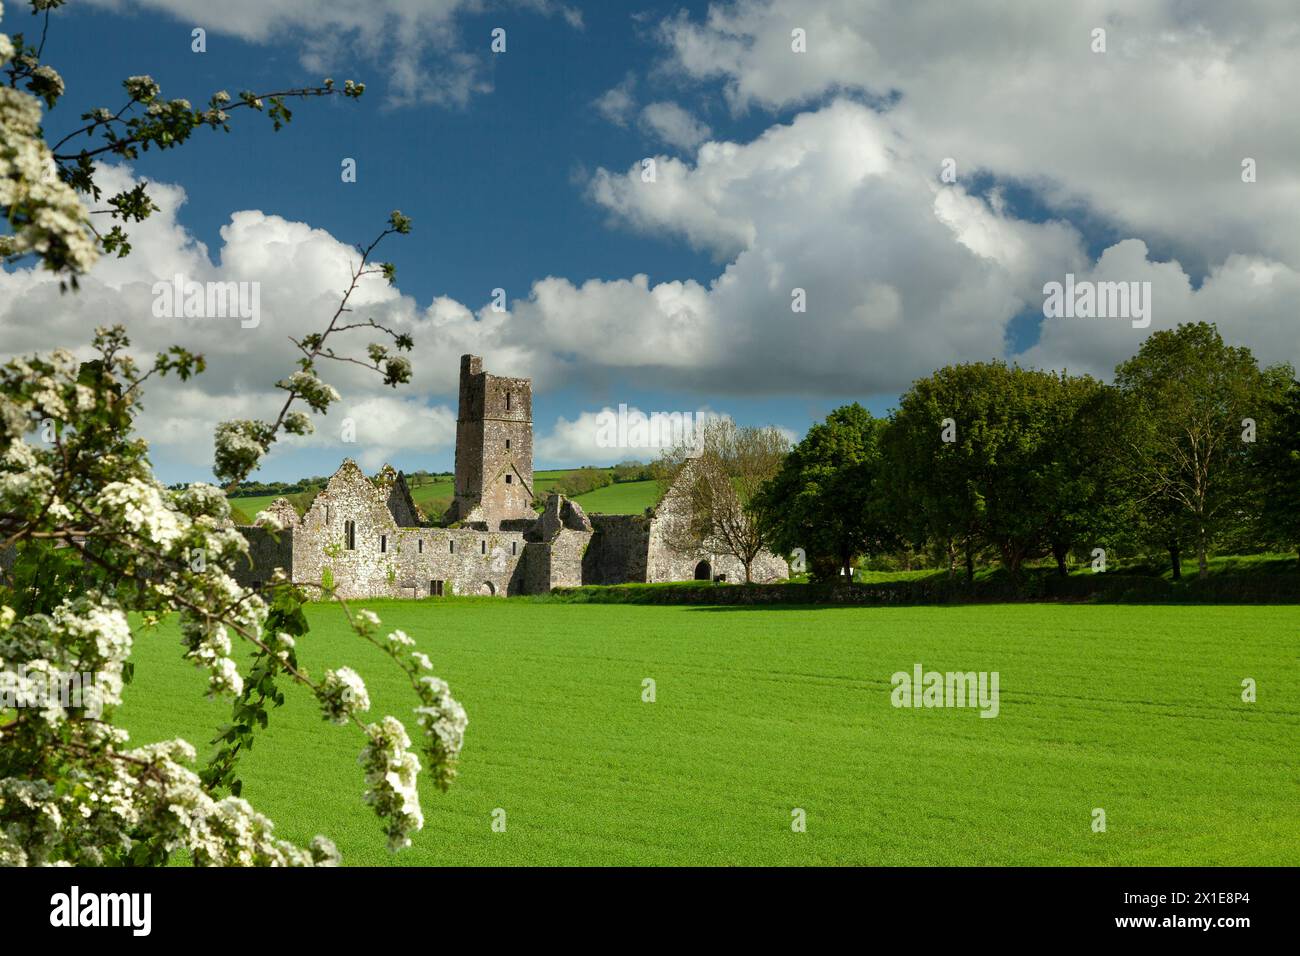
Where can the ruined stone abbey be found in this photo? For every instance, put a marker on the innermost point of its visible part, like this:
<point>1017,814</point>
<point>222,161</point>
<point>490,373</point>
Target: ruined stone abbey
<point>366,537</point>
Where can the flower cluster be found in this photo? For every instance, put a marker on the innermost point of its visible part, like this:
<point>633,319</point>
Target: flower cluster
<point>298,423</point>
<point>141,547</point>
<point>269,520</point>
<point>87,635</point>
<point>397,370</point>
<point>207,644</point>
<point>141,88</point>
<point>202,500</point>
<point>44,213</point>
<point>108,809</point>
<point>443,721</point>
<point>139,506</point>
<point>317,394</point>
<point>240,445</point>
<point>391,770</point>
<point>342,694</point>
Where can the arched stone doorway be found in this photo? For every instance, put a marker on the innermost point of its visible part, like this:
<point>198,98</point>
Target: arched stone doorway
<point>488,588</point>
<point>704,571</point>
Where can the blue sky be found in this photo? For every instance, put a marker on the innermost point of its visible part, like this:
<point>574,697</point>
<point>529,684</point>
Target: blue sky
<point>819,172</point>
<point>493,187</point>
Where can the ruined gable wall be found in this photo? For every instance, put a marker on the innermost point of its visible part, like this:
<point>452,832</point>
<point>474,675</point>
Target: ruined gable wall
<point>364,570</point>
<point>567,549</point>
<point>666,563</point>
<point>398,498</point>
<point>618,551</point>
<point>267,550</point>
<point>537,567</point>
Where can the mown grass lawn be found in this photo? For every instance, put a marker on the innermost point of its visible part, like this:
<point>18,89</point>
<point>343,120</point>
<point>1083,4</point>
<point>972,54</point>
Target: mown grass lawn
<point>1133,709</point>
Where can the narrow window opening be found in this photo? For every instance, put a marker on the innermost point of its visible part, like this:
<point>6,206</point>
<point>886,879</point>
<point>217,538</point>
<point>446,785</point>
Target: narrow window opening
<point>350,535</point>
<point>514,547</point>
<point>383,544</point>
<point>510,479</point>
<point>419,546</point>
<point>507,444</point>
<point>483,546</point>
<point>453,547</point>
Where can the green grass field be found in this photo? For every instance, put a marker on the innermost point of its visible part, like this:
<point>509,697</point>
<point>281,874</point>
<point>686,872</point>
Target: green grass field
<point>253,504</point>
<point>624,498</point>
<point>1133,709</point>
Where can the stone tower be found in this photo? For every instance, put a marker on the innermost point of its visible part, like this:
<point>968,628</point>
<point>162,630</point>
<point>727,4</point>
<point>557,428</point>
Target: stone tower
<point>494,447</point>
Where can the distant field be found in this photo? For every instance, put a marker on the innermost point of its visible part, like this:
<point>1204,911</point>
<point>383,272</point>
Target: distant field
<point>435,497</point>
<point>1136,710</point>
<point>252,505</point>
<point>625,498</point>
<point>631,497</point>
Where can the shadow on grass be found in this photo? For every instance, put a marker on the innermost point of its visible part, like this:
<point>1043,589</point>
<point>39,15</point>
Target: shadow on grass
<point>953,606</point>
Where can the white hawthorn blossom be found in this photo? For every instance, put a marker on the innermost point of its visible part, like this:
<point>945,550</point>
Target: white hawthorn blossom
<point>269,520</point>
<point>442,718</point>
<point>317,394</point>
<point>45,215</point>
<point>391,770</point>
<point>119,800</point>
<point>142,88</point>
<point>239,446</point>
<point>284,645</point>
<point>298,423</point>
<point>104,545</point>
<point>142,510</point>
<point>342,695</point>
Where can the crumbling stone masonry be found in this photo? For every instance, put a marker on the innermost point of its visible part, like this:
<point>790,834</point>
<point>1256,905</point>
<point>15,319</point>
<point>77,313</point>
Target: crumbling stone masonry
<point>366,538</point>
<point>494,447</point>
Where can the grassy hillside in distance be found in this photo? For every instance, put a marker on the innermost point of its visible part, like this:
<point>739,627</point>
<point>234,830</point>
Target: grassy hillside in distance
<point>434,496</point>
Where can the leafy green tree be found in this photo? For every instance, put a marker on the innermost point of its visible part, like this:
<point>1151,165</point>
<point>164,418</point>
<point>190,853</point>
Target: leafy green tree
<point>1158,524</point>
<point>1183,441</point>
<point>1080,499</point>
<point>827,497</point>
<point>580,481</point>
<point>977,453</point>
<point>931,495</point>
<point>1279,464</point>
<point>633,470</point>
